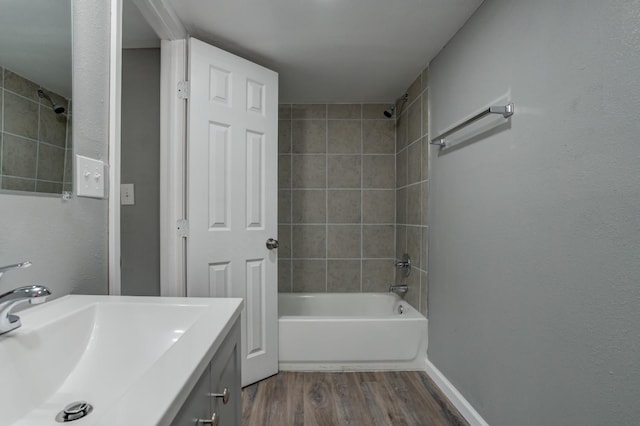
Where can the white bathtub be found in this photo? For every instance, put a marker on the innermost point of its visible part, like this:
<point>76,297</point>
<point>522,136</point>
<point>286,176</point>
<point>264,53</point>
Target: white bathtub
<point>350,331</point>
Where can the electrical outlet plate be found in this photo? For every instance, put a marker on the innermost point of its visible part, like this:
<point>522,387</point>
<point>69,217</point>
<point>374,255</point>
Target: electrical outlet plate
<point>127,194</point>
<point>90,177</point>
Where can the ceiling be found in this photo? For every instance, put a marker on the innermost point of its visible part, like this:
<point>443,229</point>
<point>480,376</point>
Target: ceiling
<point>330,51</point>
<point>136,33</point>
<point>35,41</point>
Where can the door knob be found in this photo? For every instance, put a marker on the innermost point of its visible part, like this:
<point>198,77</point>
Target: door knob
<point>272,244</point>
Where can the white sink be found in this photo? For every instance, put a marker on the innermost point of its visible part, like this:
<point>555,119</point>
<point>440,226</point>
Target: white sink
<point>131,358</point>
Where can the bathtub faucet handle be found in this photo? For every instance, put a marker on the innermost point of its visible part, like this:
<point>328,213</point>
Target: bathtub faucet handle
<point>405,264</point>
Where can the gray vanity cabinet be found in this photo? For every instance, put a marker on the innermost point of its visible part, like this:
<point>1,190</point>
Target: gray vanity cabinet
<point>206,405</point>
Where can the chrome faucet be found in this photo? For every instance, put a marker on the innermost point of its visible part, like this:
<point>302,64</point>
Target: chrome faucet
<point>404,264</point>
<point>34,294</point>
<point>400,289</point>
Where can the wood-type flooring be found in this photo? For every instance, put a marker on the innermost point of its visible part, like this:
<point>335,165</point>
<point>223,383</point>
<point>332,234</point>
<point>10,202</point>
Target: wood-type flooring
<point>408,398</point>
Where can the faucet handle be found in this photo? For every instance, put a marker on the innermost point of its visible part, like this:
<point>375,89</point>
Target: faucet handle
<point>4,269</point>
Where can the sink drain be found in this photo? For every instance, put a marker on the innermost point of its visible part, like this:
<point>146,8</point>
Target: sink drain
<point>74,411</point>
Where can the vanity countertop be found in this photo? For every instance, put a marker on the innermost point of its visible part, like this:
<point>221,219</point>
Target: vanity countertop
<point>134,359</point>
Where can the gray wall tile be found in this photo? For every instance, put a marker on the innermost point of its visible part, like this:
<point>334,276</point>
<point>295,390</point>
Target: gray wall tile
<point>344,136</point>
<point>284,206</point>
<point>284,171</point>
<point>19,156</point>
<point>378,171</point>
<point>379,136</point>
<point>21,85</point>
<point>377,275</point>
<point>53,168</point>
<point>18,184</point>
<point>401,168</point>
<point>424,200</point>
<point>344,171</point>
<point>414,125</point>
<point>374,111</point>
<point>309,275</point>
<point>424,300</point>
<point>401,132</point>
<point>401,240</point>
<point>344,111</point>
<point>343,275</point>
<point>378,206</point>
<point>284,238</point>
<point>344,241</point>
<point>401,205</point>
<point>424,262</point>
<point>414,205</point>
<point>50,187</point>
<point>20,116</point>
<point>308,136</point>
<point>343,206</point>
<point>284,276</point>
<point>314,111</point>
<point>414,293</point>
<point>414,243</point>
<point>424,168</point>
<point>284,136</point>
<point>284,111</point>
<point>308,171</point>
<point>308,241</point>
<point>309,206</point>
<point>378,241</point>
<point>414,162</point>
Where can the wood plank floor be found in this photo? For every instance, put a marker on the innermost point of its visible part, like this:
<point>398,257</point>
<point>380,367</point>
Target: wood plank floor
<point>406,398</point>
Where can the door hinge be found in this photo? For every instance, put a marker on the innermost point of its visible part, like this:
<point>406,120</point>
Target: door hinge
<point>182,226</point>
<point>183,90</point>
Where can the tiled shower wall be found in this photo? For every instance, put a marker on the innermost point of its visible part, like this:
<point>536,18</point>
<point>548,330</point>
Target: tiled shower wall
<point>412,190</point>
<point>35,153</point>
<point>336,206</point>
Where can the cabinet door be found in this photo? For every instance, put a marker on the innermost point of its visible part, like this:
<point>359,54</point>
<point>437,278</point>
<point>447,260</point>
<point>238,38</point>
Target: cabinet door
<point>198,403</point>
<point>225,373</point>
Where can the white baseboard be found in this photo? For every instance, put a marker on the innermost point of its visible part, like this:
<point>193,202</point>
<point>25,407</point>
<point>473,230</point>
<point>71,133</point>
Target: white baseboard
<point>456,398</point>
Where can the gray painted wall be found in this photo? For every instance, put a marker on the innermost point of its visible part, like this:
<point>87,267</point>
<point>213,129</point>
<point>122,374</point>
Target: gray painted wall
<point>535,228</point>
<point>67,241</point>
<point>140,223</point>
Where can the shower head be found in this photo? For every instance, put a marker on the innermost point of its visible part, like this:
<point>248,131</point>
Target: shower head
<point>392,109</point>
<point>58,109</point>
<point>389,111</point>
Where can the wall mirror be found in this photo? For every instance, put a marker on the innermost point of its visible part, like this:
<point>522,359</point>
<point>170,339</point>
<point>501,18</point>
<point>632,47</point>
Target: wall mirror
<point>35,85</point>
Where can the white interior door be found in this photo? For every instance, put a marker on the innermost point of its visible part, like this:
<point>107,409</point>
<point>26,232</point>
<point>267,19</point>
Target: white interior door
<point>232,193</point>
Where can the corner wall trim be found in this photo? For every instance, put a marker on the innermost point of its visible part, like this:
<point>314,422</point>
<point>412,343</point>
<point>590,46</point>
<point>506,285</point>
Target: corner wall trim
<point>466,410</point>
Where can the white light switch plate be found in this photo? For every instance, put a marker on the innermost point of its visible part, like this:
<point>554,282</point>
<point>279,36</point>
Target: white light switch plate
<point>89,177</point>
<point>127,194</point>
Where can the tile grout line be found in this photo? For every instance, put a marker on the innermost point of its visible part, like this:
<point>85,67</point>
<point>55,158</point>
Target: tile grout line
<point>326,198</point>
<point>38,148</point>
<point>291,196</point>
<point>419,141</point>
<point>361,197</point>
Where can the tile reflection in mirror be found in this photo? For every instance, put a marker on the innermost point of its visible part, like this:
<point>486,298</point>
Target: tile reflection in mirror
<point>35,141</point>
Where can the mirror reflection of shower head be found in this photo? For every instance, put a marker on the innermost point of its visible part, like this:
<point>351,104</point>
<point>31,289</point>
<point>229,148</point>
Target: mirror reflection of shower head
<point>58,109</point>
<point>392,109</point>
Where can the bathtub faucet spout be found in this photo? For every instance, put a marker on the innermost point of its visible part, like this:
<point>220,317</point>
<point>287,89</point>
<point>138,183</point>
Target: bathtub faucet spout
<point>400,289</point>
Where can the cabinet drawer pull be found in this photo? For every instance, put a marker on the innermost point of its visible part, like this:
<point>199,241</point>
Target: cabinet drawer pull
<point>214,420</point>
<point>224,395</point>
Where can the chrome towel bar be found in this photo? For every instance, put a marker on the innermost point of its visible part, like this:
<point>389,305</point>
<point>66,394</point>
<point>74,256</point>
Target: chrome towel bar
<point>505,110</point>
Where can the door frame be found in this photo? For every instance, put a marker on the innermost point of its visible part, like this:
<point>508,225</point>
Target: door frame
<point>115,84</point>
<point>173,63</point>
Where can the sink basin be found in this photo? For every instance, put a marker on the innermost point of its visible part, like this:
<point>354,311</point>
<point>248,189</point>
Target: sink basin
<point>130,357</point>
